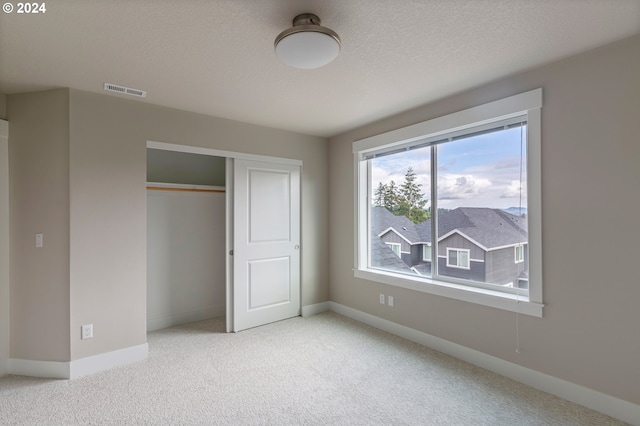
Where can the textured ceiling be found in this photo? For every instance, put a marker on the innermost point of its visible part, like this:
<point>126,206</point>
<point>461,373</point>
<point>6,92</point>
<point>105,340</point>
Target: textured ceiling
<point>216,56</point>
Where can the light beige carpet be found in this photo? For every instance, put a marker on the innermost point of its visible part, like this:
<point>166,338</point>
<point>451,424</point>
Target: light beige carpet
<point>321,370</point>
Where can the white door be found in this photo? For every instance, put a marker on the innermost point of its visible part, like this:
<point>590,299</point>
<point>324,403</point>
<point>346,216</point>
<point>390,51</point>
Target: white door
<point>266,250</point>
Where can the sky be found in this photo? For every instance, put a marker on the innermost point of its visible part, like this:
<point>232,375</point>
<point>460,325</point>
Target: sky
<point>480,171</point>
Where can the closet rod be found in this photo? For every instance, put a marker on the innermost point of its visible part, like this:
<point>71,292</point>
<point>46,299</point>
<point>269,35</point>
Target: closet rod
<point>161,188</point>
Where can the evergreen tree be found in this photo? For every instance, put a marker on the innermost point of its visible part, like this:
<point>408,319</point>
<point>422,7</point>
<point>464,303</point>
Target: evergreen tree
<point>405,200</point>
<point>379,195</point>
<point>392,196</point>
<point>412,199</point>
<point>386,195</point>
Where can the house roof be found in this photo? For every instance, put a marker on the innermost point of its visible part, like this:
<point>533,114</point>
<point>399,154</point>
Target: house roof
<point>383,257</point>
<point>489,228</point>
<point>382,221</point>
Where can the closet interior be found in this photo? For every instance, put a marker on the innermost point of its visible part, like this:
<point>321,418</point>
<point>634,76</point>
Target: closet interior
<point>185,238</point>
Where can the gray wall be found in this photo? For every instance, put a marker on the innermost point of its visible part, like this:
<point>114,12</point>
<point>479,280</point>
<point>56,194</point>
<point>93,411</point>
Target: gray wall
<point>590,204</point>
<point>78,175</point>
<point>113,158</point>
<point>39,203</point>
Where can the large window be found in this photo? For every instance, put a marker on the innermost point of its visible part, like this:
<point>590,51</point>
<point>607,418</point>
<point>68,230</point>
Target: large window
<point>462,191</point>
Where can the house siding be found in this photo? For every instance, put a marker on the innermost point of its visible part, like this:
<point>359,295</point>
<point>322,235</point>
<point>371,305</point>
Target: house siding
<point>501,266</point>
<point>392,237</point>
<point>459,242</point>
<point>475,273</point>
<point>416,254</point>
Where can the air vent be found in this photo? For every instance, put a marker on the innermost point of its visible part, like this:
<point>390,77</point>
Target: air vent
<point>124,90</point>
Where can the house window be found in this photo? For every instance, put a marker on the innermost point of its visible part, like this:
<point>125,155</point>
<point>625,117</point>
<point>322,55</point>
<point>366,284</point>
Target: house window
<point>426,253</point>
<point>470,179</point>
<point>458,258</point>
<point>395,247</point>
<point>519,253</point>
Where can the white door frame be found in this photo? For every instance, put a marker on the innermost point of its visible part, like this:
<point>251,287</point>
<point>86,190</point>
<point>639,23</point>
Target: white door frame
<point>4,246</point>
<point>230,156</point>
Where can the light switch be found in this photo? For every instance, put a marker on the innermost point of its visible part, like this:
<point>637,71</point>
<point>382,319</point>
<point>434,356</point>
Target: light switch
<point>38,240</point>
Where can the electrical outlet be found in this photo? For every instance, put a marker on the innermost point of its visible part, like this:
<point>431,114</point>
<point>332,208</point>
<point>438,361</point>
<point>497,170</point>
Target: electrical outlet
<point>381,299</point>
<point>87,331</point>
<point>390,301</point>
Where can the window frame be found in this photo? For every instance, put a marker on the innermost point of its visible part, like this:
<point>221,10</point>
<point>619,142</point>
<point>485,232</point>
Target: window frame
<point>458,251</point>
<point>527,104</point>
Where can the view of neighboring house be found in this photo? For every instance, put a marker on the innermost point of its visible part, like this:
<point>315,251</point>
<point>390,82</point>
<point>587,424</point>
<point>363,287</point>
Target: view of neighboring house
<point>474,243</point>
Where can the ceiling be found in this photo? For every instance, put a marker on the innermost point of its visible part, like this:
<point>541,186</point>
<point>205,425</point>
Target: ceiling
<point>216,56</point>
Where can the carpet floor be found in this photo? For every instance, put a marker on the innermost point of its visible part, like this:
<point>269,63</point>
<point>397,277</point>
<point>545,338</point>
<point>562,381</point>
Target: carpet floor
<point>320,370</point>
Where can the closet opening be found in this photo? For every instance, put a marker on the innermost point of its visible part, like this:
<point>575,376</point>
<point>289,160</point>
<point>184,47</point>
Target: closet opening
<point>186,231</point>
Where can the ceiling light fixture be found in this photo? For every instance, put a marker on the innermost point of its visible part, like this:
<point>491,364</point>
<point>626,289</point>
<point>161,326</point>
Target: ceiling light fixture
<point>307,45</point>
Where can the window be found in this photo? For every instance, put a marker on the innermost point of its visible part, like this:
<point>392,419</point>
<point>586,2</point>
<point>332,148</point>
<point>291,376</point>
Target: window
<point>395,247</point>
<point>519,252</point>
<point>426,253</point>
<point>465,190</point>
<point>458,258</point>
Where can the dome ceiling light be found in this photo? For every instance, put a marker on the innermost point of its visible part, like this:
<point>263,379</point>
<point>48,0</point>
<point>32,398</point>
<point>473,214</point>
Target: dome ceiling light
<point>307,45</point>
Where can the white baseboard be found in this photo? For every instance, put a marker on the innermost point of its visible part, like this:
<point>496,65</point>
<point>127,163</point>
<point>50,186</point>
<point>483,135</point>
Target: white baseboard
<point>46,369</point>
<point>606,404</point>
<point>80,367</point>
<point>107,361</point>
<point>317,308</point>
<point>213,311</point>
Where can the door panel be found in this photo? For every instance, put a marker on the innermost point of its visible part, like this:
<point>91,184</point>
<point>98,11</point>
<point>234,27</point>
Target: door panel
<point>269,201</point>
<point>266,260</point>
<point>269,282</point>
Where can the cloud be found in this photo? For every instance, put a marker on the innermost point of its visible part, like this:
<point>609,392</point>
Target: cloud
<point>378,174</point>
<point>454,186</point>
<point>515,189</point>
<point>508,165</point>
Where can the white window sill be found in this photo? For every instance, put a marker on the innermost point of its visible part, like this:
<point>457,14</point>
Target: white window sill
<point>480,296</point>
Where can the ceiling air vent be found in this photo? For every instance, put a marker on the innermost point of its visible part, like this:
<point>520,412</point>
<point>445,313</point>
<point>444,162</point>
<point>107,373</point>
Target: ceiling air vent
<point>124,90</point>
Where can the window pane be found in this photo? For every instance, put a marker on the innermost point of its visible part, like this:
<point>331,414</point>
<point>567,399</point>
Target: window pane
<point>464,259</point>
<point>482,207</point>
<point>426,253</point>
<point>399,193</point>
<point>453,258</point>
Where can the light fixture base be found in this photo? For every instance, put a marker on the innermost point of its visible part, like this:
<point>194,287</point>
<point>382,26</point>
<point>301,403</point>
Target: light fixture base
<point>306,19</point>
